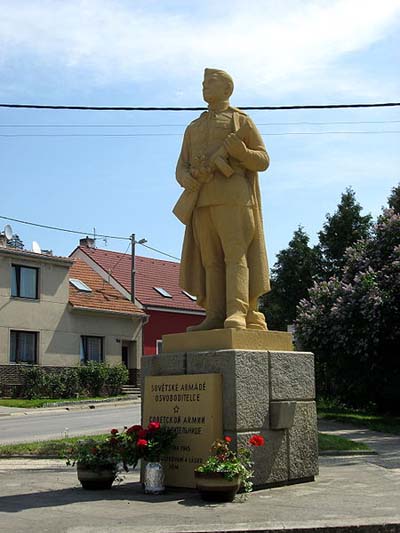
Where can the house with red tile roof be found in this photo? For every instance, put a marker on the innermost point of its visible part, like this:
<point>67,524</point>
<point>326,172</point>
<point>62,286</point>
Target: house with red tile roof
<point>157,290</point>
<point>58,312</point>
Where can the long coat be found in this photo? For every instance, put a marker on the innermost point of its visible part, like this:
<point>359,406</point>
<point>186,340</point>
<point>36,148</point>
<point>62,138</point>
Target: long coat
<point>192,273</point>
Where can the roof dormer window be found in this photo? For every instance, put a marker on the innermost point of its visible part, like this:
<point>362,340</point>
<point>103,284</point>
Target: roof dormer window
<point>163,292</point>
<point>78,284</point>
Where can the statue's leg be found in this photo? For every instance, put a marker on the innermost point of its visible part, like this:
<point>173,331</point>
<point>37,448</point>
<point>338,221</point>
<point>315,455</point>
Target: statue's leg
<point>236,230</point>
<point>215,290</point>
<point>213,261</point>
<point>237,295</point>
<point>255,319</point>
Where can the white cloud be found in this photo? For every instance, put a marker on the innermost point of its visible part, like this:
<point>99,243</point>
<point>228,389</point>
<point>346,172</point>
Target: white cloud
<point>269,45</point>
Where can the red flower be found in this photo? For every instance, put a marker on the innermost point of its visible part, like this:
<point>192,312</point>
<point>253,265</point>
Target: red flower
<point>153,426</point>
<point>94,450</point>
<point>142,433</point>
<point>142,443</point>
<point>257,440</point>
<point>134,429</point>
<point>227,439</point>
<point>114,431</point>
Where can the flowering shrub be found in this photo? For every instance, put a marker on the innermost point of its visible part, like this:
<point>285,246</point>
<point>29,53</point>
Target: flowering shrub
<point>352,323</point>
<point>149,443</point>
<point>97,453</point>
<point>230,463</point>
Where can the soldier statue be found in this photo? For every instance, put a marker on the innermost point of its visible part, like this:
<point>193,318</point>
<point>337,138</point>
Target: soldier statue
<point>224,261</point>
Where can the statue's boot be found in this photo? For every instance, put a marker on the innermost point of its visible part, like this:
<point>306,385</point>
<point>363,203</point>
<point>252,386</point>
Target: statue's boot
<point>237,296</point>
<point>215,297</point>
<point>255,319</point>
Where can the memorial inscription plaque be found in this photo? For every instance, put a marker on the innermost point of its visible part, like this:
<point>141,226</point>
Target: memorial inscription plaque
<point>192,405</point>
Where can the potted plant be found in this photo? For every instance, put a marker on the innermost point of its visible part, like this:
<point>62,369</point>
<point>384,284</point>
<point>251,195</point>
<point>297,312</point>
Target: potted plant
<point>150,444</point>
<point>99,460</point>
<point>219,478</point>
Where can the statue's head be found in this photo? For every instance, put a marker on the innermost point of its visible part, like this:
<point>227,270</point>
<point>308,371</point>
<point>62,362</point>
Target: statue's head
<point>217,85</point>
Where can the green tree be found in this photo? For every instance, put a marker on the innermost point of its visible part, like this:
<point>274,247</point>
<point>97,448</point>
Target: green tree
<point>341,230</point>
<point>394,199</point>
<point>352,322</point>
<point>291,277</point>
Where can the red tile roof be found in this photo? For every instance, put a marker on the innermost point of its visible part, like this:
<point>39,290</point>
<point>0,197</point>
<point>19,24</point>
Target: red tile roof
<point>103,296</point>
<point>150,273</point>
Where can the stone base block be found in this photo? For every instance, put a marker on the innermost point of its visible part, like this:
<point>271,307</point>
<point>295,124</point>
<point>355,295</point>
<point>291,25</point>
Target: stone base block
<point>270,393</point>
<point>227,339</point>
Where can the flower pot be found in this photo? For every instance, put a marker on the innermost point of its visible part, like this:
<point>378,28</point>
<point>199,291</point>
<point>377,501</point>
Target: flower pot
<point>96,478</point>
<point>154,478</point>
<point>214,487</point>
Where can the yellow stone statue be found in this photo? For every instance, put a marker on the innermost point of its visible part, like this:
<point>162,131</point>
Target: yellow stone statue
<point>224,261</point>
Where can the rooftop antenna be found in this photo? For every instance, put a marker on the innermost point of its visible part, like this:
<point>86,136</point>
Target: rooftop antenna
<point>36,248</point>
<point>8,232</point>
<point>5,236</point>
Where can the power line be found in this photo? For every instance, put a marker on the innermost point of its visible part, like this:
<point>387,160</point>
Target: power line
<point>158,251</point>
<point>152,108</point>
<point>184,125</point>
<point>76,232</point>
<point>268,134</point>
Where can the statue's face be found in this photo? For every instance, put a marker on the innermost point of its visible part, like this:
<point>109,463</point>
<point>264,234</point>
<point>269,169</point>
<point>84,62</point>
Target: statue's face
<point>215,89</point>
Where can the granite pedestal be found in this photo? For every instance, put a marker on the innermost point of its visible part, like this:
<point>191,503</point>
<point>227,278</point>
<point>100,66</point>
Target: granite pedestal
<point>266,392</point>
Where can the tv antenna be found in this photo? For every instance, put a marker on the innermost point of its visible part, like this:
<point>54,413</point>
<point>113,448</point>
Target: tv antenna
<point>8,232</point>
<point>36,248</point>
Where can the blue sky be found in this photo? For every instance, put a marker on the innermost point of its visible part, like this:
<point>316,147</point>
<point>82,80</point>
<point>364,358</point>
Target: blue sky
<point>147,52</point>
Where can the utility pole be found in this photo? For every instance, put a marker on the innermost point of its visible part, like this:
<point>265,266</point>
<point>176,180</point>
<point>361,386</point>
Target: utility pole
<point>133,270</point>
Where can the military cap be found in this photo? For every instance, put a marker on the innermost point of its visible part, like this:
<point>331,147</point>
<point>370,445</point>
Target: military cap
<point>222,73</point>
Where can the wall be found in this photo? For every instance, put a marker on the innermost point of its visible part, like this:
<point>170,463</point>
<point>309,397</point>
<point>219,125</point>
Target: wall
<point>160,323</point>
<point>59,327</point>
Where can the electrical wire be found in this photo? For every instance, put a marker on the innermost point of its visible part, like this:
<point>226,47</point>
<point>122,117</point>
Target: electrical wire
<point>76,232</point>
<point>153,108</point>
<point>184,125</point>
<point>267,134</point>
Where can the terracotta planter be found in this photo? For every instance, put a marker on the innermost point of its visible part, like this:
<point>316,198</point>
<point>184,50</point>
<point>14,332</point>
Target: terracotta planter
<point>214,487</point>
<point>100,478</point>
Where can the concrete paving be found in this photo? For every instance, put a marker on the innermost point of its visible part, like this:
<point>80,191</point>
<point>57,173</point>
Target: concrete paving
<point>357,493</point>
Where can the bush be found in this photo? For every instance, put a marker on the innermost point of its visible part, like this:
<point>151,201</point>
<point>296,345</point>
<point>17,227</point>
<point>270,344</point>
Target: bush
<point>352,323</point>
<point>92,377</point>
<point>34,381</point>
<point>116,377</point>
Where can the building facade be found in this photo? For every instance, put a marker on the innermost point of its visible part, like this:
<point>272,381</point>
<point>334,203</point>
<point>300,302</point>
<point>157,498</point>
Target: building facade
<point>156,287</point>
<point>56,312</point>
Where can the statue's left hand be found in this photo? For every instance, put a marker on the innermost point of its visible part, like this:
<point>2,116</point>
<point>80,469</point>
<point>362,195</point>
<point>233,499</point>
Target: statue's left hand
<point>235,147</point>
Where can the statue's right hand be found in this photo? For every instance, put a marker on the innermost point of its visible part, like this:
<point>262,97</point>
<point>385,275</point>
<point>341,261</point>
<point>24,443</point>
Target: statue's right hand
<point>189,183</point>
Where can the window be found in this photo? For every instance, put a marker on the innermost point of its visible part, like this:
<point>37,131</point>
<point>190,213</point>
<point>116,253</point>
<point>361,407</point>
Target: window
<point>24,282</point>
<point>23,347</point>
<point>158,346</point>
<point>193,298</point>
<point>78,284</point>
<point>91,349</point>
<point>163,292</point>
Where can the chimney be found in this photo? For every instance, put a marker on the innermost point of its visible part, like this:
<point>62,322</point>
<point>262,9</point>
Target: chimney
<point>87,242</point>
<point>3,240</point>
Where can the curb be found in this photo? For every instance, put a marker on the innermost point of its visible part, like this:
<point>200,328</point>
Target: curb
<point>70,406</point>
<point>344,453</point>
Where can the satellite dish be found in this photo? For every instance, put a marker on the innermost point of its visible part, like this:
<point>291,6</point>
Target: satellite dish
<point>8,232</point>
<point>36,248</point>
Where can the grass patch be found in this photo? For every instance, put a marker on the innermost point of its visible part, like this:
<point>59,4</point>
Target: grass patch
<point>331,442</point>
<point>386,424</point>
<point>50,448</point>
<point>59,448</point>
<point>40,402</point>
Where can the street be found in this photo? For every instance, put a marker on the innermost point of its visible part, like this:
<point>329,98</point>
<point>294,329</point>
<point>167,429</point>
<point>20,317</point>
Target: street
<point>55,424</point>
